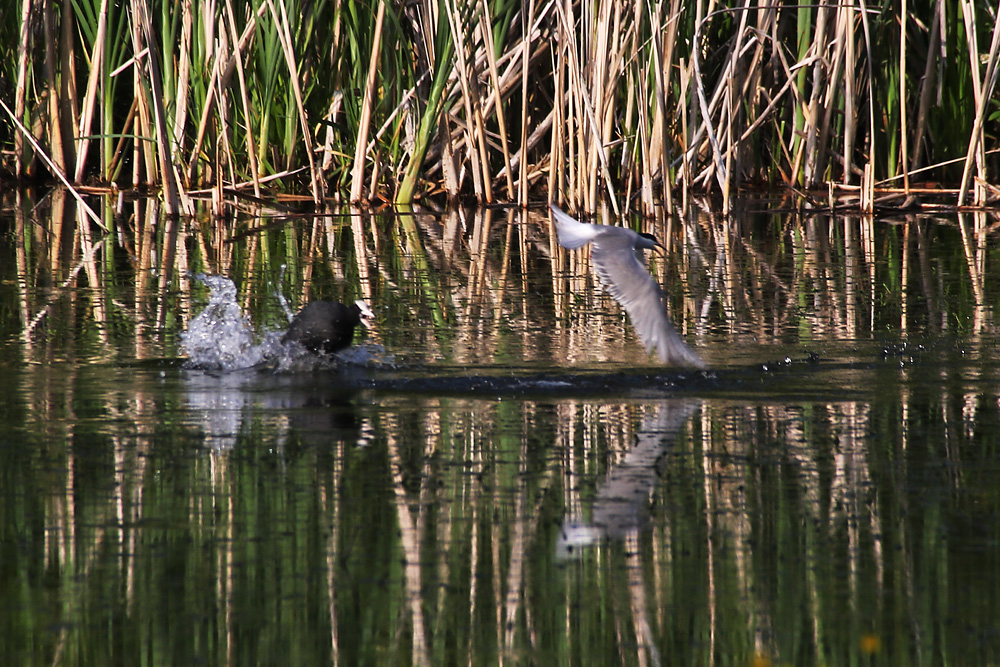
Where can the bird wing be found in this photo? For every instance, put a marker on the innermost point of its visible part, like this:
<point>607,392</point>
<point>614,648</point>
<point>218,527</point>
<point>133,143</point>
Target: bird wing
<point>625,278</point>
<point>573,233</point>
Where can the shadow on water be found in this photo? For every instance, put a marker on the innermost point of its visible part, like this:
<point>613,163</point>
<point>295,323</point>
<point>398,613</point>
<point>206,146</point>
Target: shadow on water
<point>496,471</point>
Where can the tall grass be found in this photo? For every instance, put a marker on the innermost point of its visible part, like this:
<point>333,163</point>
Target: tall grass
<point>503,101</point>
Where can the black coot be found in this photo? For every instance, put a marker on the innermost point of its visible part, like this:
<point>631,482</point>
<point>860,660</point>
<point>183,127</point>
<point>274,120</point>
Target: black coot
<point>327,326</point>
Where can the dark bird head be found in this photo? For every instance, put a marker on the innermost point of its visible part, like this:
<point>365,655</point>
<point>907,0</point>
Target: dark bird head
<point>649,242</point>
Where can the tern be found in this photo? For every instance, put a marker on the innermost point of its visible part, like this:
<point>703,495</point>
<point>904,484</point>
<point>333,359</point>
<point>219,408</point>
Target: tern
<point>327,326</point>
<point>620,267</point>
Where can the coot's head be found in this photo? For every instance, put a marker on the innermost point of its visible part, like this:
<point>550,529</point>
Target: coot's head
<point>365,314</point>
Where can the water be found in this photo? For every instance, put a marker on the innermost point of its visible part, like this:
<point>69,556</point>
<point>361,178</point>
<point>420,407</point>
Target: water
<point>498,472</point>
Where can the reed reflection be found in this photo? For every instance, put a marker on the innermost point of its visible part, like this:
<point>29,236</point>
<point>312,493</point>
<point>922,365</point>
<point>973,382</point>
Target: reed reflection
<point>799,515</point>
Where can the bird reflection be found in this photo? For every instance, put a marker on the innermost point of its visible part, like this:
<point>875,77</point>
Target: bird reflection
<point>621,506</point>
<point>315,408</point>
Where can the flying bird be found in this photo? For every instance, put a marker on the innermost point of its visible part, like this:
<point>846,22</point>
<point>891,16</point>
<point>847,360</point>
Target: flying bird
<point>620,268</point>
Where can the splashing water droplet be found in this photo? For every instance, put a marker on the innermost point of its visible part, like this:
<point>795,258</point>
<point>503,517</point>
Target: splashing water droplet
<point>222,338</point>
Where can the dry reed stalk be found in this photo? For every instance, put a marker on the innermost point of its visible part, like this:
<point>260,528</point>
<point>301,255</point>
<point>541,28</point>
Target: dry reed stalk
<point>244,96</point>
<point>903,124</point>
<point>220,70</point>
<point>969,19</point>
<point>98,67</point>
<point>522,172</point>
<point>868,189</point>
<point>685,85</point>
<point>69,101</point>
<point>926,86</point>
<point>20,90</point>
<point>787,70</point>
<point>931,167</point>
<point>55,132</point>
<point>764,115</point>
<point>599,54</point>
<point>634,157</point>
<point>224,156</point>
<point>569,128</point>
<point>141,158</point>
<point>632,118</point>
<point>800,131</point>
<point>470,78</point>
<point>183,82</point>
<point>285,38</point>
<point>706,113</point>
<point>440,65</point>
<point>52,165</point>
<point>489,47</point>
<point>557,179</point>
<point>586,119</point>
<point>730,106</point>
<point>452,183</point>
<point>142,35</point>
<point>644,152</point>
<point>813,130</point>
<point>620,35</point>
<point>638,157</point>
<point>983,92</point>
<point>474,139</point>
<point>528,50</point>
<point>666,67</point>
<point>833,90</point>
<point>360,151</point>
<point>846,26</point>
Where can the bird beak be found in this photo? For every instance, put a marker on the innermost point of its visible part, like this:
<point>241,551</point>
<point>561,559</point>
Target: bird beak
<point>366,314</point>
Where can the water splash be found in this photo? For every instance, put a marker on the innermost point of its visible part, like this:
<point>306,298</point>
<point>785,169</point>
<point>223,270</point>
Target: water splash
<point>222,338</point>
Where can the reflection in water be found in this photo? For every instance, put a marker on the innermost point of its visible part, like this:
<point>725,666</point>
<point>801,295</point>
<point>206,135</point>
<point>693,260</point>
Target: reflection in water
<point>621,505</point>
<point>840,511</point>
<point>316,406</point>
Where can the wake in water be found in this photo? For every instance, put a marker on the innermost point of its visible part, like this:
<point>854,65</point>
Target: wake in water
<point>222,338</point>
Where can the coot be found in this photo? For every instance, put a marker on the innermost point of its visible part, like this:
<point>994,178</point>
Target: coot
<point>327,326</point>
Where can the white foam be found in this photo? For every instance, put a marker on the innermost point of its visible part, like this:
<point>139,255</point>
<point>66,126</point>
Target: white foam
<point>222,338</point>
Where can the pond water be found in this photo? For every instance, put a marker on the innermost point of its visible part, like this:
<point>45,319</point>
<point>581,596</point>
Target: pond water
<point>499,473</point>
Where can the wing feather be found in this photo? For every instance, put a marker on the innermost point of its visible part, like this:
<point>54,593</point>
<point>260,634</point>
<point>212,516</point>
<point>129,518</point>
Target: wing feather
<point>622,271</point>
<point>626,279</point>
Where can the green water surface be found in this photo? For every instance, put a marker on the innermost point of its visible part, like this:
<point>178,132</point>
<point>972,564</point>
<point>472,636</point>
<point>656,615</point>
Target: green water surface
<point>825,494</point>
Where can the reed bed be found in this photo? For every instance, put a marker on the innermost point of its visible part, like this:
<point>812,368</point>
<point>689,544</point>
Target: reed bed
<point>635,103</point>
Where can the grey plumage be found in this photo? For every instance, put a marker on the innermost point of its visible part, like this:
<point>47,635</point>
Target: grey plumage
<point>618,262</point>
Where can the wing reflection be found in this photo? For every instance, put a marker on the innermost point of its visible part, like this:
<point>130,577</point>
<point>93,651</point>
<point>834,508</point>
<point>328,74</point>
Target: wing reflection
<point>621,506</point>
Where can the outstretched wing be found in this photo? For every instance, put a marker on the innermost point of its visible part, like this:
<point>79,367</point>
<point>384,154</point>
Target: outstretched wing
<point>624,276</point>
